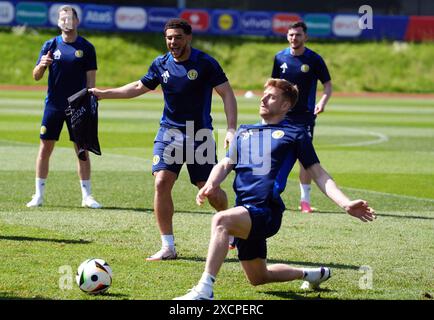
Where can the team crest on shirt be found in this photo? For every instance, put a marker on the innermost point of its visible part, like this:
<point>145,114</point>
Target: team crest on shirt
<point>278,134</point>
<point>57,54</point>
<point>79,53</point>
<point>155,159</point>
<point>304,68</point>
<point>192,74</point>
<point>43,130</point>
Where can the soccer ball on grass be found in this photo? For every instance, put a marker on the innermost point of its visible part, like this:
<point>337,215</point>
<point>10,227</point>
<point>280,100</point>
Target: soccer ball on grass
<point>94,276</point>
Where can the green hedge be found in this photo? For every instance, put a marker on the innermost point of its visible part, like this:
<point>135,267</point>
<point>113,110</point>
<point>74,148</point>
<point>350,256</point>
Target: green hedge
<point>247,61</point>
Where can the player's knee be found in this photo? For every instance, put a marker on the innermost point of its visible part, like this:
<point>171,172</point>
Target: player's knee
<point>44,152</point>
<point>219,222</point>
<point>217,219</point>
<point>257,280</point>
<point>162,184</point>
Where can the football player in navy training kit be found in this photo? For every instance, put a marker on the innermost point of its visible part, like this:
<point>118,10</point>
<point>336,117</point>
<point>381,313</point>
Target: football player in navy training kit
<point>71,61</point>
<point>187,77</point>
<point>303,67</point>
<point>262,156</point>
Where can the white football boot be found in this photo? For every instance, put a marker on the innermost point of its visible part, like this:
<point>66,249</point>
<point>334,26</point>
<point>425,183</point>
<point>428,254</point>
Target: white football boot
<point>35,202</point>
<point>165,253</point>
<point>90,202</point>
<point>196,294</point>
<point>325,274</point>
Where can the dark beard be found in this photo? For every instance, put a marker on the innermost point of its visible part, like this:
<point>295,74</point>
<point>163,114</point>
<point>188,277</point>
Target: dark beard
<point>182,52</point>
<point>297,47</point>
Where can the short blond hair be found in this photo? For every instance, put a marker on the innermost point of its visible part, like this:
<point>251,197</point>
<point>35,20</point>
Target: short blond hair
<point>290,90</point>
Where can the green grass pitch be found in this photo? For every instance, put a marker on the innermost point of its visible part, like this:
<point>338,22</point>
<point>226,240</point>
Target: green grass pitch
<point>379,149</point>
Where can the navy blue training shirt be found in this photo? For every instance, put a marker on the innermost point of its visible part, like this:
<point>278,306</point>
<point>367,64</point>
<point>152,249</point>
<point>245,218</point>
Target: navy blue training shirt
<point>67,73</point>
<point>304,70</point>
<point>187,88</point>
<point>265,155</point>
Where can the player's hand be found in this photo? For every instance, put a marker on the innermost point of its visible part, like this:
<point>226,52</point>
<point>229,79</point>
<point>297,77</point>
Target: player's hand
<point>230,134</point>
<point>203,193</point>
<point>46,60</point>
<point>319,108</point>
<point>360,209</point>
<point>96,92</point>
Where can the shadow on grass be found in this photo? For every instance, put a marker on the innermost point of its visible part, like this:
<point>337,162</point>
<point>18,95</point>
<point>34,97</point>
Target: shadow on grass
<point>8,296</point>
<point>21,238</point>
<point>379,215</point>
<point>404,217</point>
<point>144,210</point>
<point>273,261</point>
<point>115,295</point>
<point>309,295</point>
<point>151,210</point>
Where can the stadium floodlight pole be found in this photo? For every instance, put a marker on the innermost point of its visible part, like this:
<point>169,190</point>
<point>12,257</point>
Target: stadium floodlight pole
<point>181,4</point>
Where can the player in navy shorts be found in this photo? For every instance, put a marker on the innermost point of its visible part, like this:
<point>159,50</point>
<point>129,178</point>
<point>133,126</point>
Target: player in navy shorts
<point>71,61</point>
<point>262,156</point>
<point>303,67</point>
<point>187,77</point>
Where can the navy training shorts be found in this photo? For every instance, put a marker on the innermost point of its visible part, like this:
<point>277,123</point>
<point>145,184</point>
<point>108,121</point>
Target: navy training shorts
<point>52,124</point>
<point>172,148</point>
<point>266,222</point>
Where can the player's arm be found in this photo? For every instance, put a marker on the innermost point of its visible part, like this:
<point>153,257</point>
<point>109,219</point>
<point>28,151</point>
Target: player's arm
<point>230,104</point>
<point>131,90</point>
<point>216,177</point>
<point>275,71</point>
<point>327,93</point>
<point>90,78</point>
<point>356,208</point>
<point>44,63</point>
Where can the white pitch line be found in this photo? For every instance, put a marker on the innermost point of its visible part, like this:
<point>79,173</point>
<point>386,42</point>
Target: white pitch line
<point>391,194</point>
<point>380,138</point>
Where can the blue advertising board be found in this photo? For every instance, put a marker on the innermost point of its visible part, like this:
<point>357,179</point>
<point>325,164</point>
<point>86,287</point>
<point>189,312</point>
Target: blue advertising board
<point>256,23</point>
<point>225,22</point>
<point>157,17</point>
<point>217,21</point>
<point>98,17</point>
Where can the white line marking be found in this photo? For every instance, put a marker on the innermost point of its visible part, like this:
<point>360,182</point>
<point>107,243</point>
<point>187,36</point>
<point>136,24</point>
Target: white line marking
<point>380,138</point>
<point>390,194</point>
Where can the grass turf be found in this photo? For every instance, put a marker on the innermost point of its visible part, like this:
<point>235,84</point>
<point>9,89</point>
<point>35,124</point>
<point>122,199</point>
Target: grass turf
<point>381,150</point>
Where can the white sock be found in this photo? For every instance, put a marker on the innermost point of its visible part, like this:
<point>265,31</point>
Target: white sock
<point>206,283</point>
<point>85,188</point>
<point>305,192</point>
<point>168,240</point>
<point>39,187</point>
<point>311,274</point>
